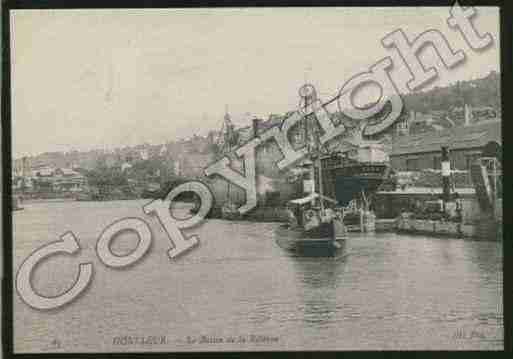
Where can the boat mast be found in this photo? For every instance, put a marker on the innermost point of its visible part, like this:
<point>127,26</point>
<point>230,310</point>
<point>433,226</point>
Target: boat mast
<point>319,167</point>
<point>304,94</point>
<point>321,194</point>
<point>309,95</point>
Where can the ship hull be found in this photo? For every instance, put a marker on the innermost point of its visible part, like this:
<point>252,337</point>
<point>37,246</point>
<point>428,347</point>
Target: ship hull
<point>347,183</point>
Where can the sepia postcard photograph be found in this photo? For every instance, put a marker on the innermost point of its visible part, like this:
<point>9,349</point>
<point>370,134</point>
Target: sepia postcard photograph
<point>253,179</point>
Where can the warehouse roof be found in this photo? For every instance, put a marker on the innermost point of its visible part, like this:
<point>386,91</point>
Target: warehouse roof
<point>473,136</point>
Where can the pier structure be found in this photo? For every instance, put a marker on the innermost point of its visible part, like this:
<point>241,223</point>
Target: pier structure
<point>447,182</point>
<point>468,212</point>
<point>486,176</point>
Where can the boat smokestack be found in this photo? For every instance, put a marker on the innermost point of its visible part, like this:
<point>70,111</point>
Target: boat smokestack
<point>308,177</point>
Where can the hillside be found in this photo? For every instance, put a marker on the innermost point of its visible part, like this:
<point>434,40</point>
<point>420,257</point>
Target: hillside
<point>439,108</point>
<point>479,93</point>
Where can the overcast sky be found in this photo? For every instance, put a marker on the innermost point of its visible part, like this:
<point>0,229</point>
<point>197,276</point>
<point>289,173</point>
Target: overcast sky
<point>86,79</point>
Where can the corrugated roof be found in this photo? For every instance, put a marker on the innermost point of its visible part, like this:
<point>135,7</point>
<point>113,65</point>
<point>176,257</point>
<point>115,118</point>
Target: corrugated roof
<point>477,135</point>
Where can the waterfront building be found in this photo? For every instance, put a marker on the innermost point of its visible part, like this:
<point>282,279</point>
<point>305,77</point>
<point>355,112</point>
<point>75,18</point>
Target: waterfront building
<point>125,166</point>
<point>466,143</point>
<point>67,180</point>
<point>42,170</point>
<point>20,167</point>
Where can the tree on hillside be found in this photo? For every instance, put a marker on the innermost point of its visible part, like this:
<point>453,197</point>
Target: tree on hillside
<point>106,178</point>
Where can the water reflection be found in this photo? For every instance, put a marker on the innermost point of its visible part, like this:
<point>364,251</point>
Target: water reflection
<point>317,279</point>
<point>320,272</point>
<point>487,256</point>
<point>379,292</point>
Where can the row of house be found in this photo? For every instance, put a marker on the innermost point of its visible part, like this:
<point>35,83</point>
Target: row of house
<point>188,158</point>
<point>417,122</point>
<point>112,157</point>
<point>50,179</point>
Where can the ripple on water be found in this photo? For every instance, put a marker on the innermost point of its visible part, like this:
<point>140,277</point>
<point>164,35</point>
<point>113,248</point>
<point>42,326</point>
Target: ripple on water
<point>382,291</point>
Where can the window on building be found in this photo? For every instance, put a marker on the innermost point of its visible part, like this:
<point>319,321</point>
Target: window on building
<point>471,159</point>
<point>454,165</point>
<point>437,162</point>
<point>412,164</point>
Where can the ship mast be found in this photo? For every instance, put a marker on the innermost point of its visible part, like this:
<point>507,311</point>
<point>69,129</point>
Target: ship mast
<point>228,140</point>
<point>307,92</point>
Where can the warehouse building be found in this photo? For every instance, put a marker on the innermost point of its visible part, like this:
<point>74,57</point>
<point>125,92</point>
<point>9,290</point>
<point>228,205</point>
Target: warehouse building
<point>466,143</point>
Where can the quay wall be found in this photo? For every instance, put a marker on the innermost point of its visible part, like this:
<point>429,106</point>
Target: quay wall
<point>392,204</point>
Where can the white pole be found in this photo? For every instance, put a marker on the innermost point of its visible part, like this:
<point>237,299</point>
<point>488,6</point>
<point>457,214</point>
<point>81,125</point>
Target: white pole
<point>495,188</point>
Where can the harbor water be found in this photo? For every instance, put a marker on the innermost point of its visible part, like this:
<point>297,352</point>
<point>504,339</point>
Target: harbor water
<point>240,289</point>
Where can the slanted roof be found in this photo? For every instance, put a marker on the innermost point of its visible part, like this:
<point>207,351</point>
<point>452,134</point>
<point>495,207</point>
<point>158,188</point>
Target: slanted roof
<point>474,136</point>
<point>46,172</point>
<point>304,200</point>
<point>68,171</point>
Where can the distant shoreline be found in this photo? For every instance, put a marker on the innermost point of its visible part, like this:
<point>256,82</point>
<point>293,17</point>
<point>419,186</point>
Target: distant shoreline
<point>57,200</point>
<point>51,200</point>
<point>44,200</point>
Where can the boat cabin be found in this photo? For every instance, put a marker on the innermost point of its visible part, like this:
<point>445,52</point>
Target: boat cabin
<point>307,210</point>
<point>299,206</point>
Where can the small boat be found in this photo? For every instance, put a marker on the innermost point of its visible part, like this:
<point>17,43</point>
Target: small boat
<point>298,241</point>
<point>311,231</point>
<point>315,226</point>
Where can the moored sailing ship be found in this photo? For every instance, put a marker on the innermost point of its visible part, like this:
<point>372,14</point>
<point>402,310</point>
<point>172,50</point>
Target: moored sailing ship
<point>350,168</point>
<point>356,171</point>
<point>352,177</point>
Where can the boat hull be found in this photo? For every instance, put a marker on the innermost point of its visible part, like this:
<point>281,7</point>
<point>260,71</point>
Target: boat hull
<point>320,241</point>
